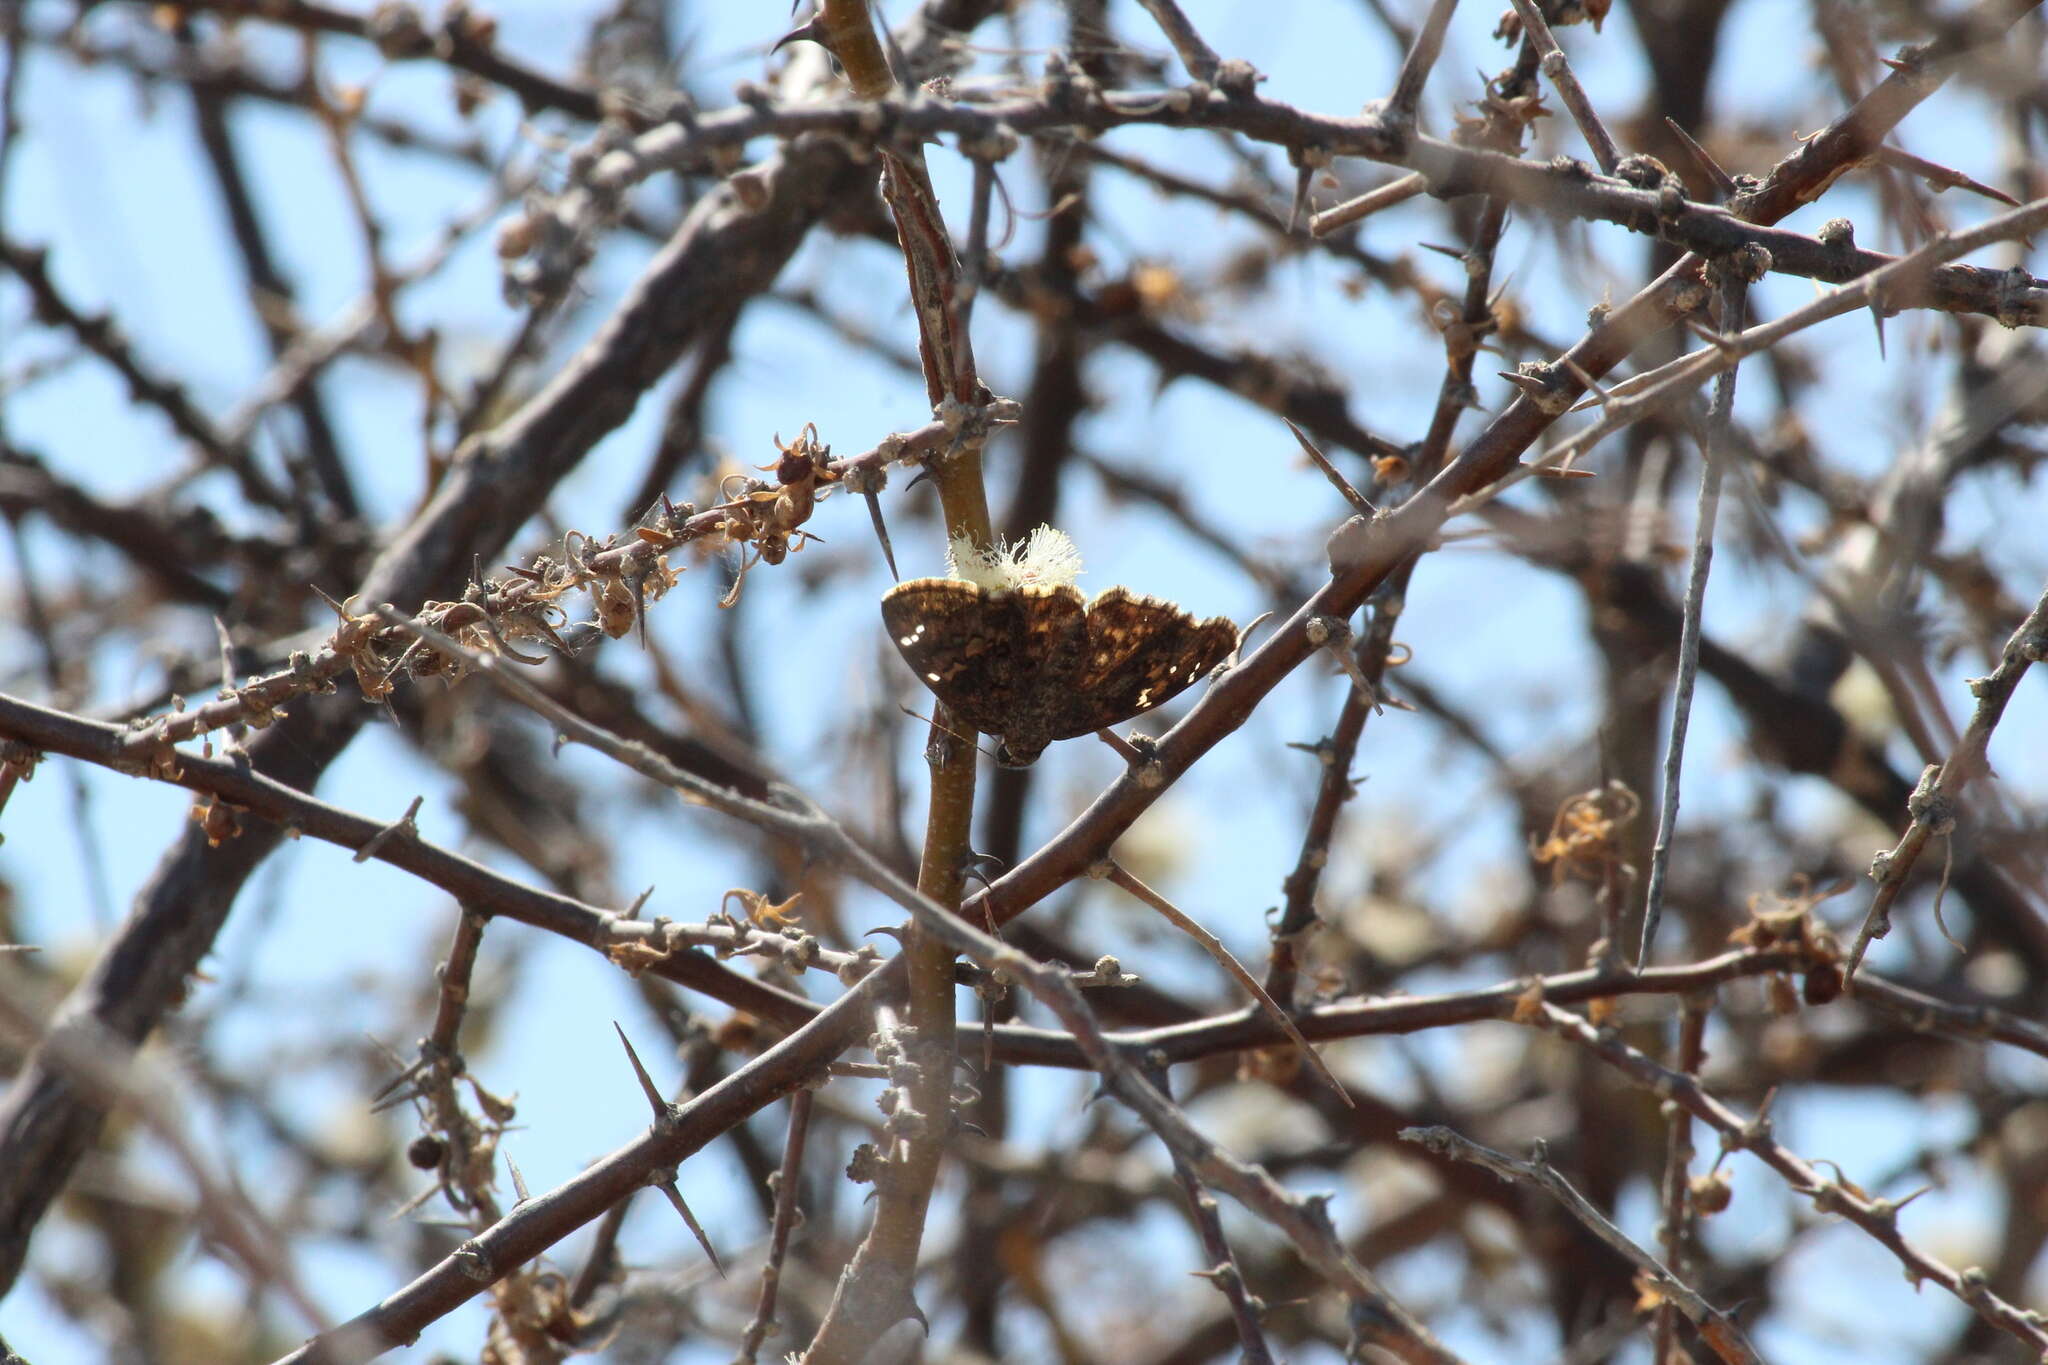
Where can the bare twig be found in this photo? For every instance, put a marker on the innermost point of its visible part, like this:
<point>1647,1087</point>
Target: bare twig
<point>1933,807</point>
<point>1197,56</point>
<point>1415,67</point>
<point>786,1216</point>
<point>1876,1217</point>
<point>1674,1230</point>
<point>1213,946</point>
<point>1713,464</point>
<point>1559,71</point>
<point>1716,1328</point>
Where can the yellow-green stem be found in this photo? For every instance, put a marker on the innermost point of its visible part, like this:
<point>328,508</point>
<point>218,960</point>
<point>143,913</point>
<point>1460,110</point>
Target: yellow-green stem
<point>876,1291</point>
<point>845,31</point>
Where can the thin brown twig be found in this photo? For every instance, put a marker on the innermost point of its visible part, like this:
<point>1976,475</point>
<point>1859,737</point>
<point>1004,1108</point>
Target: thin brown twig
<point>1224,1271</point>
<point>1717,1328</point>
<point>1197,56</point>
<point>1417,64</point>
<point>1399,190</point>
<point>1117,875</point>
<point>1629,401</point>
<point>786,1182</point>
<point>1452,170</point>
<point>98,333</point>
<point>1713,466</point>
<point>1558,68</point>
<point>877,1290</point>
<point>667,950</point>
<point>1674,1231</point>
<point>1933,807</point>
<point>1875,1216</point>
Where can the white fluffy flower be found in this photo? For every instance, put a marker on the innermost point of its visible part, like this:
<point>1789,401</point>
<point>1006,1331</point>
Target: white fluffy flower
<point>1046,559</point>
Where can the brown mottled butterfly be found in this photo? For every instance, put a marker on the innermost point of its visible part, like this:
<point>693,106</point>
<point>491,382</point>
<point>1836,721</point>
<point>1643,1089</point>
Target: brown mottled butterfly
<point>1033,664</point>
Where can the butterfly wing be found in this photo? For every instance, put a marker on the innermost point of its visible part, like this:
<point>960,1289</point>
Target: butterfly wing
<point>1140,651</point>
<point>987,656</point>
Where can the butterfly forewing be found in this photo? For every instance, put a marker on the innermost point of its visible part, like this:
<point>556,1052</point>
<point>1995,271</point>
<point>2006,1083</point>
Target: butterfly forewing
<point>982,654</point>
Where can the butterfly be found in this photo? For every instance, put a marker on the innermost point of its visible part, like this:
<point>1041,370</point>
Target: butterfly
<point>1033,664</point>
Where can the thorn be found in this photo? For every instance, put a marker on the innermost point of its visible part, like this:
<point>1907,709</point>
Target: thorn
<point>418,1065</point>
<point>1877,321</point>
<point>393,1100</point>
<point>899,932</point>
<point>662,1112</point>
<point>633,910</point>
<point>1898,1204</point>
<point>1304,177</point>
<point>1338,648</point>
<point>977,866</point>
<point>1124,748</point>
<point>339,608</point>
<point>882,534</point>
<point>675,1197</point>
<point>1358,500</point>
<point>1244,635</point>
<point>1939,176</point>
<point>518,1182</point>
<point>899,60</point>
<point>803,33</point>
<point>405,824</point>
<point>1724,184</point>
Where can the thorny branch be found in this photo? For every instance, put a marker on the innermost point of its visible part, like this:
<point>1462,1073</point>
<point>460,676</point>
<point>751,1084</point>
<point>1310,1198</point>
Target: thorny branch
<point>1393,891</point>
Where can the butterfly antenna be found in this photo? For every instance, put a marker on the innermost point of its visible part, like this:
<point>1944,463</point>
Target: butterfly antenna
<point>989,987</point>
<point>919,715</point>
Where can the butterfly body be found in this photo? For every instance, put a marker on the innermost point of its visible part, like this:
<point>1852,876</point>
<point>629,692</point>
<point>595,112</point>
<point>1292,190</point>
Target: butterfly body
<point>1035,664</point>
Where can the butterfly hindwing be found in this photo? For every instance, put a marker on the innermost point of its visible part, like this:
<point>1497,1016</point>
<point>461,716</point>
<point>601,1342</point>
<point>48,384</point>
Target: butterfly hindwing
<point>1141,652</point>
